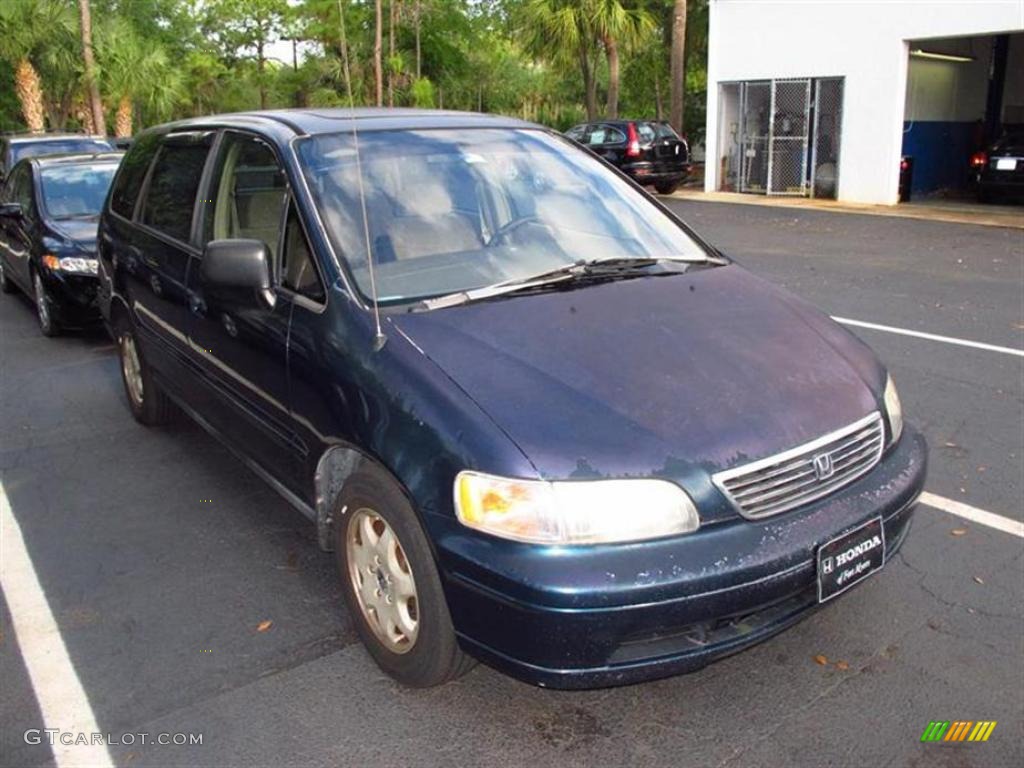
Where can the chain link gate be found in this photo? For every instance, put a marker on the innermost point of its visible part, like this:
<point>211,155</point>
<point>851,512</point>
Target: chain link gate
<point>781,136</point>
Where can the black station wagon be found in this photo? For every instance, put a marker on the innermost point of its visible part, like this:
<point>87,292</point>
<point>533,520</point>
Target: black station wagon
<point>538,420</point>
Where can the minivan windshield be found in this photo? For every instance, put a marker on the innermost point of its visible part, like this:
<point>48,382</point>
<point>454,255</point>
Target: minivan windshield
<point>73,191</point>
<point>454,210</point>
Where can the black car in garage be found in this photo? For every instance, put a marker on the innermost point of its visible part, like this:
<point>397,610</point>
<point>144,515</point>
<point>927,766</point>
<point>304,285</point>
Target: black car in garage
<point>648,151</point>
<point>49,211</point>
<point>1000,170</point>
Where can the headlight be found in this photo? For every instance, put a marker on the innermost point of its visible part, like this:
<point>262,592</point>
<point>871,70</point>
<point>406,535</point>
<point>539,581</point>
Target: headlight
<point>73,265</point>
<point>573,512</point>
<point>893,409</point>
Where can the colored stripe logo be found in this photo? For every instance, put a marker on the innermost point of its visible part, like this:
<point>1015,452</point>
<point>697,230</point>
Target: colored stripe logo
<point>958,730</point>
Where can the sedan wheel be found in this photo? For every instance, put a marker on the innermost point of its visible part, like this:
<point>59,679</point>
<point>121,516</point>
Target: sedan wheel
<point>382,580</point>
<point>44,312</point>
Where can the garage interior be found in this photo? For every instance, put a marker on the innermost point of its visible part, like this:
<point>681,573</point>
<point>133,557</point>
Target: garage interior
<point>962,94</point>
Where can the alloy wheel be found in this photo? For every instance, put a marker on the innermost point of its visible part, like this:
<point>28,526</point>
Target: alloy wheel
<point>382,580</point>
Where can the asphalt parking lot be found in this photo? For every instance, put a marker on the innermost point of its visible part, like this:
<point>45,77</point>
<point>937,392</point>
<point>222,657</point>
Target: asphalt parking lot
<point>162,558</point>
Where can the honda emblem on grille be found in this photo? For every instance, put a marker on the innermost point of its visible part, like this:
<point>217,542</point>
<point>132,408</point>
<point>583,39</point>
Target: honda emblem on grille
<point>823,468</point>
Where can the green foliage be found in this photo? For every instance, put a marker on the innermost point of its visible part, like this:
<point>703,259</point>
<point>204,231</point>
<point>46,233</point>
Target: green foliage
<point>178,58</point>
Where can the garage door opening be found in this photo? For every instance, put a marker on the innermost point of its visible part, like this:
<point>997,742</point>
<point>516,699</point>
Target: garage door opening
<point>963,95</point>
<point>781,137</point>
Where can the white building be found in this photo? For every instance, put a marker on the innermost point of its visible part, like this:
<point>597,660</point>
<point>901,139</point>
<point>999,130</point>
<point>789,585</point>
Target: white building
<point>824,97</point>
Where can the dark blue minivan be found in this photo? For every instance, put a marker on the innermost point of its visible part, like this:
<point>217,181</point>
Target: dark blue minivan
<point>536,418</point>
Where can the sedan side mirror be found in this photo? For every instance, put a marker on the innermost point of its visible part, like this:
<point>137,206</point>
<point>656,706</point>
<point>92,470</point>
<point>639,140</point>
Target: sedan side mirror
<point>12,210</point>
<point>238,268</point>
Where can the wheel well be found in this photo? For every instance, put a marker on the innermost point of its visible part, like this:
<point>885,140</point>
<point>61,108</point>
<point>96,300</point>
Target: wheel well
<point>336,466</point>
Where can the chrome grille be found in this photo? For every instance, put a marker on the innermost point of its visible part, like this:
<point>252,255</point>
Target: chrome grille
<point>805,473</point>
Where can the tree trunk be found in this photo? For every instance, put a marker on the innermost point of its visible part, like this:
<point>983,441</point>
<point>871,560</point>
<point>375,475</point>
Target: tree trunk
<point>589,85</point>
<point>378,68</point>
<point>261,65</point>
<point>611,51</point>
<point>83,114</point>
<point>419,56</point>
<point>30,93</point>
<point>95,105</point>
<point>123,119</point>
<point>678,69</point>
<point>659,109</point>
<point>391,53</point>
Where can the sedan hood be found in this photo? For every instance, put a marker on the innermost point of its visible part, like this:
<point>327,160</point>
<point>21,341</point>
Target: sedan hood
<point>82,232</point>
<point>677,376</point>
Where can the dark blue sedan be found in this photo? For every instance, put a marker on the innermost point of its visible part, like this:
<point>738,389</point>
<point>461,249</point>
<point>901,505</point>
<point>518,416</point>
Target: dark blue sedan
<point>538,421</point>
<point>49,209</point>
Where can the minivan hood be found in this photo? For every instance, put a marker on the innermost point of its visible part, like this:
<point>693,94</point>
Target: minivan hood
<point>676,376</point>
<point>82,232</point>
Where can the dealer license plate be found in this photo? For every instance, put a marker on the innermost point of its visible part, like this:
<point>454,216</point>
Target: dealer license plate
<point>849,559</point>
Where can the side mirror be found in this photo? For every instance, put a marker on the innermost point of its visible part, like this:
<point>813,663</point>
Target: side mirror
<point>239,269</point>
<point>12,210</point>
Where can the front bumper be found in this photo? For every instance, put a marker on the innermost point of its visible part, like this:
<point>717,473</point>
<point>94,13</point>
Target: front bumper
<point>73,298</point>
<point>582,617</point>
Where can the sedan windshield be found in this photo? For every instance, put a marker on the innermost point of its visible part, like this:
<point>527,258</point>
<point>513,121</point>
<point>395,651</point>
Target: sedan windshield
<point>71,191</point>
<point>452,211</point>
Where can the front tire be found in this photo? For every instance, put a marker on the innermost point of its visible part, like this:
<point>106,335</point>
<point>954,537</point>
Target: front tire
<point>48,324</point>
<point>147,401</point>
<point>391,585</point>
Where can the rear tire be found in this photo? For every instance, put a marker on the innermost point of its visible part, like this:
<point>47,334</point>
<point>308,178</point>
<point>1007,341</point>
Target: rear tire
<point>147,401</point>
<point>666,187</point>
<point>48,324</point>
<point>391,584</point>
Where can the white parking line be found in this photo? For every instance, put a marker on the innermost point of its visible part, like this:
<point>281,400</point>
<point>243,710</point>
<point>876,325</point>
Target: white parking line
<point>62,701</point>
<point>975,515</point>
<point>931,336</point>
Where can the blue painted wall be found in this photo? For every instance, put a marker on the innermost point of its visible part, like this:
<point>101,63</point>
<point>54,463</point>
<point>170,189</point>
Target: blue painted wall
<point>942,153</point>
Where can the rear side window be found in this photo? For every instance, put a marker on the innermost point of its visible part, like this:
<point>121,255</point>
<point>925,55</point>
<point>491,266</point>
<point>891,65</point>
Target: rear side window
<point>174,182</point>
<point>604,134</point>
<point>131,174</point>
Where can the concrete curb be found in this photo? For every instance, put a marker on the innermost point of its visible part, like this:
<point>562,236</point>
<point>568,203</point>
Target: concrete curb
<point>1005,216</point>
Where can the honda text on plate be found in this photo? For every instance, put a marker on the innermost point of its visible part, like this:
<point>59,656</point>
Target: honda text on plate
<point>538,421</point>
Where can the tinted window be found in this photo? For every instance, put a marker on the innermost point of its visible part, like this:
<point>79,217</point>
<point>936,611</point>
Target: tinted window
<point>174,182</point>
<point>75,190</point>
<point>298,272</point>
<point>665,131</point>
<point>577,133</point>
<point>21,150</point>
<point>604,134</point>
<point>131,175</point>
<point>248,193</point>
<point>19,188</point>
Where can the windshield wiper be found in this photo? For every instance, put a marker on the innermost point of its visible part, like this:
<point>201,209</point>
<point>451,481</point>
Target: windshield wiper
<point>578,270</point>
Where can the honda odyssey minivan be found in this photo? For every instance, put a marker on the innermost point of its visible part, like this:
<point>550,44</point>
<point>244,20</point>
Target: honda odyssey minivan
<point>537,419</point>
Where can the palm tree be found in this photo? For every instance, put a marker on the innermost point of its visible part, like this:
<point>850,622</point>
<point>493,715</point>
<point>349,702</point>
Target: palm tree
<point>580,30</point>
<point>678,65</point>
<point>26,28</point>
<point>617,25</point>
<point>99,124</point>
<point>136,71</point>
